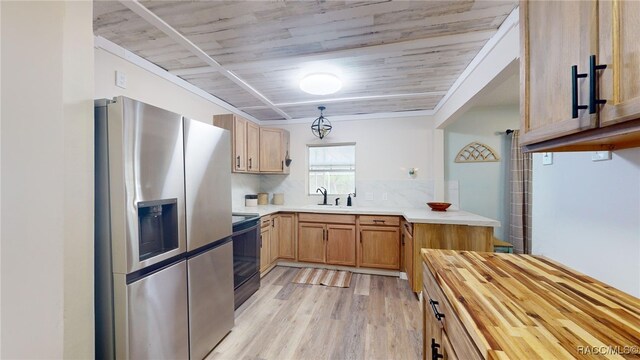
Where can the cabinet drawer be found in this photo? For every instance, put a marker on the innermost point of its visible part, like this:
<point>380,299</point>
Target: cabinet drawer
<point>327,218</point>
<point>379,220</point>
<point>265,221</point>
<point>460,340</point>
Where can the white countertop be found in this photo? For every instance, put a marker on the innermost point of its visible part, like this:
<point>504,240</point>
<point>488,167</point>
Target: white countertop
<point>413,215</point>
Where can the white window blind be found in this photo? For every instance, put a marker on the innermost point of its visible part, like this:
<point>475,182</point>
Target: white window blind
<point>332,167</point>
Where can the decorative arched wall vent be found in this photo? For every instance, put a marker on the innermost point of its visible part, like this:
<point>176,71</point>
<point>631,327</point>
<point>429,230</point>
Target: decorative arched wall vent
<point>477,152</point>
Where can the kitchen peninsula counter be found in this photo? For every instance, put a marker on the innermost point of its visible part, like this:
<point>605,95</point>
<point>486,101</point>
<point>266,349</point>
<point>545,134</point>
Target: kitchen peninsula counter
<point>521,306</point>
<point>412,215</point>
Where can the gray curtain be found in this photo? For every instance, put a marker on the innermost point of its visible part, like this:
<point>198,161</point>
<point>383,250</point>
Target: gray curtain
<point>520,183</point>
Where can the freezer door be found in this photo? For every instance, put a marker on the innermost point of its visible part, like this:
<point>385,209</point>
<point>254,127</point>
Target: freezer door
<point>210,298</point>
<point>146,166</point>
<point>158,317</point>
<point>208,183</point>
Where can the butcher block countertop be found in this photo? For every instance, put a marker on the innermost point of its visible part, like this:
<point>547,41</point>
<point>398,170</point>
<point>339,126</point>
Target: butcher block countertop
<point>526,307</point>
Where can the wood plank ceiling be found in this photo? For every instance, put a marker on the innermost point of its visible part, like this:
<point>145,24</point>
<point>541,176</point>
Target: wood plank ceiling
<point>393,56</point>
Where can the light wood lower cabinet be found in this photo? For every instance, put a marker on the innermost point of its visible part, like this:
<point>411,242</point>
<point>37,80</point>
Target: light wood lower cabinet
<point>265,248</point>
<point>311,246</point>
<point>285,227</point>
<point>446,236</point>
<point>441,335</point>
<point>341,244</point>
<point>327,239</point>
<point>380,247</point>
<point>407,251</point>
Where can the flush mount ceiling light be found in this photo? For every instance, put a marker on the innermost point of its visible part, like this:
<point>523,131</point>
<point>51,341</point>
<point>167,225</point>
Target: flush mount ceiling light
<point>321,126</point>
<point>320,84</point>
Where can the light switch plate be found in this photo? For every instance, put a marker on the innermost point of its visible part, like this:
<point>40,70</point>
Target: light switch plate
<point>121,79</point>
<point>601,156</point>
<point>547,158</point>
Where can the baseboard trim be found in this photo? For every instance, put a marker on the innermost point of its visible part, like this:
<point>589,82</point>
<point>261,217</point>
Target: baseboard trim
<point>369,271</point>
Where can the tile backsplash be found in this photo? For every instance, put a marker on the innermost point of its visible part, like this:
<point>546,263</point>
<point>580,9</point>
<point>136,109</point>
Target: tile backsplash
<point>399,193</point>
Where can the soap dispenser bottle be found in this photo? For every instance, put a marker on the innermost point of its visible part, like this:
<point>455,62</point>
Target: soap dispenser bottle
<point>349,199</point>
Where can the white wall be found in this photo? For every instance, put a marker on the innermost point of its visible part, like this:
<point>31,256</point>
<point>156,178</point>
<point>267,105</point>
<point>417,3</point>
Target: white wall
<point>481,186</point>
<point>385,150</point>
<point>47,180</point>
<point>587,215</point>
<point>147,87</point>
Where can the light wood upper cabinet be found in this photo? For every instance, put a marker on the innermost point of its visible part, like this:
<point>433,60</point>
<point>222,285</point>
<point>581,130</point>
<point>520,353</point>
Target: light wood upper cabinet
<point>238,127</point>
<point>555,35</point>
<point>285,225</point>
<point>341,244</point>
<point>619,49</point>
<point>273,150</point>
<point>253,147</point>
<point>311,242</point>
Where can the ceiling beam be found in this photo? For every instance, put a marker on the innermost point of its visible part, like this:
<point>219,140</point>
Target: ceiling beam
<point>351,98</point>
<point>154,20</point>
<point>373,50</point>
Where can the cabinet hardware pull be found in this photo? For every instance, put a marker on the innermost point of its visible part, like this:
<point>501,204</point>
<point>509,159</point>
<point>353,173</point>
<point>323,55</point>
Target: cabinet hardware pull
<point>437,314</point>
<point>238,161</point>
<point>593,85</point>
<point>378,221</point>
<point>260,241</point>
<point>282,165</point>
<point>574,92</point>
<point>402,236</point>
<point>360,236</point>
<point>434,350</point>
<point>250,163</point>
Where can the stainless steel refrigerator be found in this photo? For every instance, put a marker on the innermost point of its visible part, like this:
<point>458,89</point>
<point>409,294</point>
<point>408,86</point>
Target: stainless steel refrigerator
<point>163,257</point>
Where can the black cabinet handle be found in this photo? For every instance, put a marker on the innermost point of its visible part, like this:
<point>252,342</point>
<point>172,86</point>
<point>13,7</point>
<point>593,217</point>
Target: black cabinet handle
<point>437,314</point>
<point>238,161</point>
<point>435,355</point>
<point>593,85</point>
<point>574,91</point>
<point>250,163</point>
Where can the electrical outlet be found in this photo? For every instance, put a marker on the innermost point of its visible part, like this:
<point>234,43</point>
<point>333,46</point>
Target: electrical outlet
<point>121,79</point>
<point>384,196</point>
<point>547,158</point>
<point>368,196</point>
<point>601,156</point>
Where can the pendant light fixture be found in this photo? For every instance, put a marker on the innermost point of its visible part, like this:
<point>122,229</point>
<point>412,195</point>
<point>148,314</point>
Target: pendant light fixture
<point>321,126</point>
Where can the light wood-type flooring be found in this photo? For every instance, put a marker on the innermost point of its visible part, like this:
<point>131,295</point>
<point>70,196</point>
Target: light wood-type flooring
<point>376,318</point>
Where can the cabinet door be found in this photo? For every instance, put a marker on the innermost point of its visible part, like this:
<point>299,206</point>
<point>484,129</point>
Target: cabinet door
<point>253,147</point>
<point>380,247</point>
<point>619,49</point>
<point>265,244</point>
<point>286,236</point>
<point>431,330</point>
<point>554,36</point>
<point>271,159</point>
<point>274,239</point>
<point>239,144</point>
<point>311,242</point>
<point>341,244</point>
<point>408,255</point>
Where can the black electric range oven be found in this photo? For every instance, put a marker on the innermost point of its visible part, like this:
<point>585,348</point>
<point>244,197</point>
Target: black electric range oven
<point>246,256</point>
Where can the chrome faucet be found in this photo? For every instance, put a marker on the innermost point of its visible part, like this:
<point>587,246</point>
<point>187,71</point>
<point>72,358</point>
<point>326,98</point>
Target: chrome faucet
<point>324,194</point>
